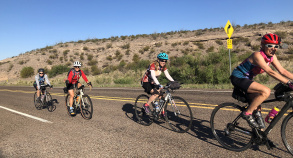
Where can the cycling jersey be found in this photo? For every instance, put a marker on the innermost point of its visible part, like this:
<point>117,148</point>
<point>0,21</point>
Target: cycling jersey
<point>41,80</point>
<point>151,74</point>
<point>247,70</point>
<point>73,78</point>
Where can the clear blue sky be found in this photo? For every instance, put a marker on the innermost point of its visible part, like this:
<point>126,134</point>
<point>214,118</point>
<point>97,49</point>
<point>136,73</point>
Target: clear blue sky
<point>31,24</point>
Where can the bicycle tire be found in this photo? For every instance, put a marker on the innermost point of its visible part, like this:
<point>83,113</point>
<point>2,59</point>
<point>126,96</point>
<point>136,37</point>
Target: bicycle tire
<point>178,114</point>
<point>68,107</point>
<point>226,125</point>
<point>86,107</point>
<point>50,106</point>
<point>37,104</point>
<point>140,114</point>
<point>286,132</point>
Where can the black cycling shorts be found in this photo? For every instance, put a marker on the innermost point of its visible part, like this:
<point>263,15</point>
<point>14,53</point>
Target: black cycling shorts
<point>71,86</point>
<point>241,83</point>
<point>148,88</point>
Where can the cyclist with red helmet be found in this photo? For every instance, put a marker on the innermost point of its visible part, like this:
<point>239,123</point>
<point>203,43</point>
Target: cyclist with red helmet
<point>73,81</point>
<point>257,63</point>
<point>149,80</point>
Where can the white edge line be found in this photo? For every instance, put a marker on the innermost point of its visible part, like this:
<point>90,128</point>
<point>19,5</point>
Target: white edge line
<point>27,115</point>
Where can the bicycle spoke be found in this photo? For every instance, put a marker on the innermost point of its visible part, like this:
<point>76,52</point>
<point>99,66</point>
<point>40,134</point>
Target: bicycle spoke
<point>140,114</point>
<point>286,132</point>
<point>229,129</point>
<point>178,114</point>
<point>86,107</point>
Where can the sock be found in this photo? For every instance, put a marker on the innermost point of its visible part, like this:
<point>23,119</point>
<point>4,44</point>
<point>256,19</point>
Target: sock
<point>71,108</point>
<point>246,113</point>
<point>146,104</point>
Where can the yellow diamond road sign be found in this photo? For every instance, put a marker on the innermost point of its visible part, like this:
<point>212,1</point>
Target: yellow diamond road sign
<point>229,29</point>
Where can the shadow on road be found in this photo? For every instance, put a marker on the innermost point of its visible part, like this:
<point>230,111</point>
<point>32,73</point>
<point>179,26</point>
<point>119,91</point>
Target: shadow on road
<point>200,129</point>
<point>52,105</point>
<point>129,111</point>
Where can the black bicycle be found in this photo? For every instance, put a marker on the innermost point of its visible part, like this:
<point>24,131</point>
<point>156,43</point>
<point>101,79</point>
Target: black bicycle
<point>45,100</point>
<point>234,133</point>
<point>175,110</point>
<point>81,103</point>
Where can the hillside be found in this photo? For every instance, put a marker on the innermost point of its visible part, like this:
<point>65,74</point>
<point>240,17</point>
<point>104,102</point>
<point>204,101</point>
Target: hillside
<point>101,54</point>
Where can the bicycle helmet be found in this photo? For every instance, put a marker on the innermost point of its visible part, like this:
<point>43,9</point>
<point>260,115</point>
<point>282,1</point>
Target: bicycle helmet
<point>41,70</point>
<point>270,39</point>
<point>76,63</point>
<point>162,56</point>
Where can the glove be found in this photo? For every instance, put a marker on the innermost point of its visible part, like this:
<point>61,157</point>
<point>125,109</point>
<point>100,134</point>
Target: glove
<point>89,84</point>
<point>290,84</point>
<point>158,86</point>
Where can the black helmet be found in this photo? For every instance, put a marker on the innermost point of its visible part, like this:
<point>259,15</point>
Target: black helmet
<point>41,70</point>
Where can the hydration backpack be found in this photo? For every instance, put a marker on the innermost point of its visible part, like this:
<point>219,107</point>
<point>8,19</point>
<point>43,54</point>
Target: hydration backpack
<point>74,72</point>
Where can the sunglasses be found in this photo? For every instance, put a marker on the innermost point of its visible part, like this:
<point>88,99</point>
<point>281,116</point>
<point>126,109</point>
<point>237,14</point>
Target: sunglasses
<point>272,46</point>
<point>163,61</point>
<point>41,73</point>
<point>76,66</point>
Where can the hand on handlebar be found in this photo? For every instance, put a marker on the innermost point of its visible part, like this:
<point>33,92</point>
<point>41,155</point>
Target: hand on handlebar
<point>290,84</point>
<point>159,86</point>
<point>90,84</point>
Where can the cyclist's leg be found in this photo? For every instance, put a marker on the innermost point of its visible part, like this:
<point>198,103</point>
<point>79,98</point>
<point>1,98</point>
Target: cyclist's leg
<point>78,85</point>
<point>152,98</point>
<point>71,92</point>
<point>259,94</point>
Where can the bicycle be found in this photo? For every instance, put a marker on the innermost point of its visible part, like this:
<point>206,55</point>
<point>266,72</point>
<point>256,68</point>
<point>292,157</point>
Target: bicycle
<point>45,99</point>
<point>234,133</point>
<point>81,103</point>
<point>179,116</point>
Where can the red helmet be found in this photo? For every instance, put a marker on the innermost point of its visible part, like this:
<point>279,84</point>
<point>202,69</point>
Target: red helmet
<point>270,39</point>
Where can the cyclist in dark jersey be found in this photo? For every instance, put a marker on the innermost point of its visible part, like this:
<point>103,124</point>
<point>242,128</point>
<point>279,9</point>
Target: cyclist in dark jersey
<point>73,80</point>
<point>257,63</point>
<point>150,82</point>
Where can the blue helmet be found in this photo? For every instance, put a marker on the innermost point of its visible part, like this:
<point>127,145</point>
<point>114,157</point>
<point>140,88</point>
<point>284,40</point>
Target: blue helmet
<point>162,56</point>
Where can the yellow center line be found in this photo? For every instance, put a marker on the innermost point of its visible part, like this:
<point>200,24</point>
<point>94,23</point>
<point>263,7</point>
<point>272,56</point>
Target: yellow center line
<point>192,105</point>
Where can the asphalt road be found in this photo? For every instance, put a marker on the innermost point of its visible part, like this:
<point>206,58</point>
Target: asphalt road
<point>113,132</point>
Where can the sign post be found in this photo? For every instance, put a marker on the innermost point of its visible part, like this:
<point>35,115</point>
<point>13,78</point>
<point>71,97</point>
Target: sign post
<point>229,31</point>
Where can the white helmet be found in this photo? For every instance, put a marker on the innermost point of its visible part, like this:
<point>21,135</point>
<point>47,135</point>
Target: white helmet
<point>76,63</point>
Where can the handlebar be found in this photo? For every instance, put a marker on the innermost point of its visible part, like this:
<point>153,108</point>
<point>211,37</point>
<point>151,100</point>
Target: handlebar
<point>47,85</point>
<point>282,91</point>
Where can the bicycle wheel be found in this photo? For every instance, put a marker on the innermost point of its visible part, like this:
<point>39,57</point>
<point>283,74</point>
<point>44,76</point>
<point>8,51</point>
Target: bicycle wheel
<point>178,114</point>
<point>50,106</point>
<point>140,114</point>
<point>86,107</point>
<point>68,106</point>
<point>229,128</point>
<point>286,132</point>
<point>37,103</point>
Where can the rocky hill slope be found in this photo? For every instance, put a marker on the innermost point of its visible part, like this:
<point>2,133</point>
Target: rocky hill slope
<point>102,53</point>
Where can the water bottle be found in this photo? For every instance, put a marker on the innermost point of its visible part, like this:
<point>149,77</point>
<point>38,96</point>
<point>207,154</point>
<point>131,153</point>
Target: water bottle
<point>272,114</point>
<point>42,97</point>
<point>157,106</point>
<point>162,101</point>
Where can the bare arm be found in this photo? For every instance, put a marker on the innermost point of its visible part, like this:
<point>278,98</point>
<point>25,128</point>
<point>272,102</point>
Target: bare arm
<point>258,60</point>
<point>280,68</point>
<point>168,75</point>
